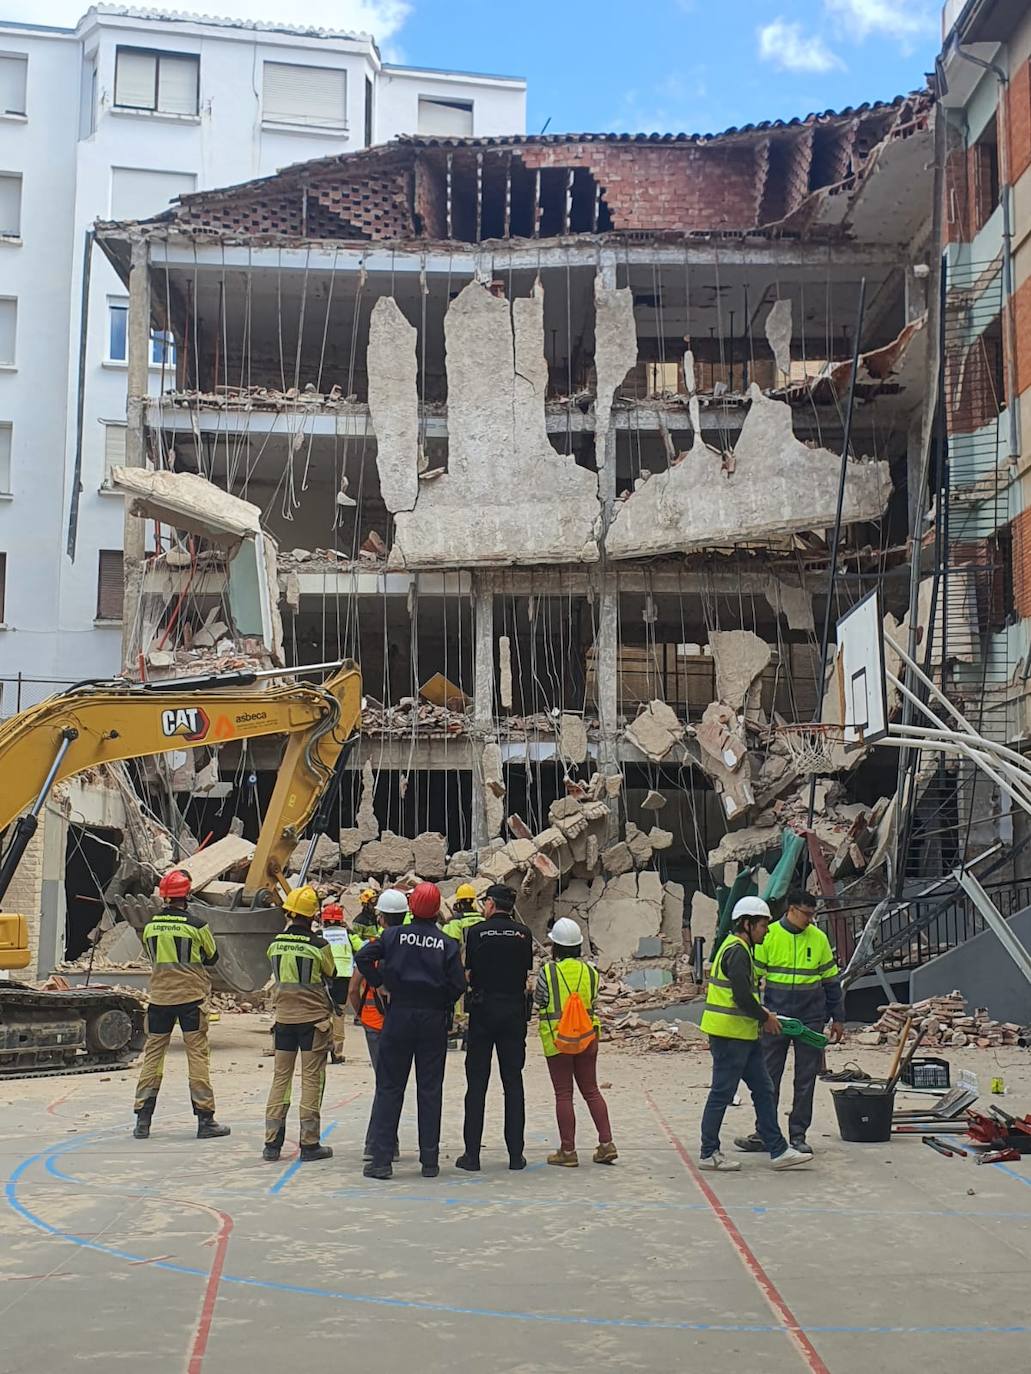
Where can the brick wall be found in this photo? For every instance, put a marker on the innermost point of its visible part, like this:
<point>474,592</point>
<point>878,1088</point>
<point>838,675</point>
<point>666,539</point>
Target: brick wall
<point>1022,332</point>
<point>1018,120</point>
<point>25,894</point>
<point>1021,529</point>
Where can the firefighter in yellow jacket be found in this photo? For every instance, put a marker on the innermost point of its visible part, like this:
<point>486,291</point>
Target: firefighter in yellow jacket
<point>305,993</point>
<point>181,949</point>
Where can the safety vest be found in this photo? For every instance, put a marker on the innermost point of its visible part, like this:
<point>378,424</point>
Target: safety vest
<point>339,941</point>
<point>721,1016</point>
<point>565,976</point>
<point>371,1014</point>
<point>458,925</point>
<point>295,960</point>
<point>170,939</point>
<point>795,960</point>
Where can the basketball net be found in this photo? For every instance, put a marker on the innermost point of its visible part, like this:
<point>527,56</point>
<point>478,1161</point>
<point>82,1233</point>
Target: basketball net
<point>811,747</point>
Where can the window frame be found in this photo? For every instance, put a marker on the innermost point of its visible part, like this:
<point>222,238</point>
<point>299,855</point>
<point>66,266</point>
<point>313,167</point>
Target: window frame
<point>298,124</point>
<point>10,365</point>
<point>468,106</point>
<point>6,492</point>
<point>157,54</point>
<point>23,58</point>
<point>117,303</point>
<point>8,235</point>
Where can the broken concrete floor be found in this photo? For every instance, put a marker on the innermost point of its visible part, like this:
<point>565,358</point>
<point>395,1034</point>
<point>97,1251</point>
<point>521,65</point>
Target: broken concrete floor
<point>249,1262</point>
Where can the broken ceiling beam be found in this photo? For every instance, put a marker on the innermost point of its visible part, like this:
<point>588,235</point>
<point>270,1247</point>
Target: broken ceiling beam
<point>187,501</point>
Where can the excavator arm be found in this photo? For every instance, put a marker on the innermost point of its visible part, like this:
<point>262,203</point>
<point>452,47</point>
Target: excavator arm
<point>69,733</point>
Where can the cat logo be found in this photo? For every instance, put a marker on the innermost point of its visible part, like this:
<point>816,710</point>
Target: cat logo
<point>187,722</point>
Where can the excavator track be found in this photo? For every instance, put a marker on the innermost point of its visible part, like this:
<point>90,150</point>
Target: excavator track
<point>74,1031</point>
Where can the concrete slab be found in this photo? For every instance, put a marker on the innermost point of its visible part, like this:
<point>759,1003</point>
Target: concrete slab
<point>184,1255</point>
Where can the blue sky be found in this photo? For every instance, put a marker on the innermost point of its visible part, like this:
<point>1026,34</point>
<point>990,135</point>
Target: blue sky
<point>692,66</point>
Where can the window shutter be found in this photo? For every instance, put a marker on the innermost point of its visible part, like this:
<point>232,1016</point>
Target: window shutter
<point>114,449</point>
<point>446,118</point>
<point>135,79</point>
<point>3,586</point>
<point>110,585</point>
<point>12,84</point>
<point>177,85</point>
<point>8,330</point>
<point>10,204</point>
<point>6,431</point>
<point>137,193</point>
<point>313,96</point>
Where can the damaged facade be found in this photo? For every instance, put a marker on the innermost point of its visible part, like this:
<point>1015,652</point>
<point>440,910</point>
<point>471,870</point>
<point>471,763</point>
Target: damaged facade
<point>547,433</point>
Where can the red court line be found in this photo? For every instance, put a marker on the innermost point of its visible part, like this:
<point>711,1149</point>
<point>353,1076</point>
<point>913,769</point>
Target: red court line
<point>199,1345</point>
<point>58,1100</point>
<point>345,1101</point>
<point>747,1256</point>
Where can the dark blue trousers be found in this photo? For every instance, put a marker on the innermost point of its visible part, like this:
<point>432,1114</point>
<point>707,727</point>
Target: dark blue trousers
<point>410,1035</point>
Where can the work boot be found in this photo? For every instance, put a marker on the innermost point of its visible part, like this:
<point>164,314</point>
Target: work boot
<point>751,1144</point>
<point>270,1154</point>
<point>310,1153</point>
<point>141,1131</point>
<point>716,1163</point>
<point>565,1159</point>
<point>336,1058</point>
<point>468,1163</point>
<point>378,1171</point>
<point>430,1170</point>
<point>517,1161</point>
<point>208,1128</point>
<point>606,1153</point>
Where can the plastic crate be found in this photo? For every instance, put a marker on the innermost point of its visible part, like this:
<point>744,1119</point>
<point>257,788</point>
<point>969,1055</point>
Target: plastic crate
<point>926,1073</point>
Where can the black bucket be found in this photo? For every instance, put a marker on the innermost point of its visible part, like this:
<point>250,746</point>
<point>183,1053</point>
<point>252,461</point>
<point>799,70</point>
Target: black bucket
<point>864,1113</point>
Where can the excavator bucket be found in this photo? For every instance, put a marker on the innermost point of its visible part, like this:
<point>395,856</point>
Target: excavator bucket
<point>243,934</point>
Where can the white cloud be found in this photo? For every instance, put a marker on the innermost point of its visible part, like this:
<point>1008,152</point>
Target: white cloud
<point>787,47</point>
<point>895,18</point>
<point>381,18</point>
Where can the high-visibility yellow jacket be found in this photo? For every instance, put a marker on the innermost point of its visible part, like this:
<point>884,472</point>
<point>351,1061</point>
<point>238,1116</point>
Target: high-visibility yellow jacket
<point>800,973</point>
<point>557,979</point>
<point>722,1015</point>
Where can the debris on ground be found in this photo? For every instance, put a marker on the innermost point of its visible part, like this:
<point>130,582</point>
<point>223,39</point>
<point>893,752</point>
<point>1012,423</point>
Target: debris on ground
<point>947,1023</point>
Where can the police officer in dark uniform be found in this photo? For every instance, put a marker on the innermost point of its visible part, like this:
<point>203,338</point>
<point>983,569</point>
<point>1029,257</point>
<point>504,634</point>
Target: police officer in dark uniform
<point>421,969</point>
<point>498,959</point>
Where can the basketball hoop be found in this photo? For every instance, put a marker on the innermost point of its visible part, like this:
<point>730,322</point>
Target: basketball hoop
<point>811,747</point>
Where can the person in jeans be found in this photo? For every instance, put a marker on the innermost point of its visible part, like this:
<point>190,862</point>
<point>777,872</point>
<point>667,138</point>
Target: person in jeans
<point>565,973</point>
<point>801,979</point>
<point>370,1004</point>
<point>732,1018</point>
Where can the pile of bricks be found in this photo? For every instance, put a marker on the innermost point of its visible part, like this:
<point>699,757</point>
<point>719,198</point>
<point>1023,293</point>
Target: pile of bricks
<point>947,1023</point>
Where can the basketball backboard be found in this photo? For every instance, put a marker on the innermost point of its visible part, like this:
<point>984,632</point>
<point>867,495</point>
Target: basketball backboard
<point>859,665</point>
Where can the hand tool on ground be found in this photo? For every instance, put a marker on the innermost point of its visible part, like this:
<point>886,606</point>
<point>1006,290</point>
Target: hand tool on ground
<point>999,1157</point>
<point>937,1145</point>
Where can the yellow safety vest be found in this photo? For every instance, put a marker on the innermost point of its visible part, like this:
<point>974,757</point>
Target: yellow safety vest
<point>721,1016</point>
<point>170,939</point>
<point>296,961</point>
<point>565,976</point>
<point>791,960</point>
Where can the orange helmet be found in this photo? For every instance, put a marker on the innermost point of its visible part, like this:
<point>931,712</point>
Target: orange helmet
<point>332,914</point>
<point>175,883</point>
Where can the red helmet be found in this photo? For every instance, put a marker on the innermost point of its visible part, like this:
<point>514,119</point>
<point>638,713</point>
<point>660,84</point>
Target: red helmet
<point>175,883</point>
<point>332,914</point>
<point>424,901</point>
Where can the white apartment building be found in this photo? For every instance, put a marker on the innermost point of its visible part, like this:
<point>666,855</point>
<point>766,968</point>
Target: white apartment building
<point>112,120</point>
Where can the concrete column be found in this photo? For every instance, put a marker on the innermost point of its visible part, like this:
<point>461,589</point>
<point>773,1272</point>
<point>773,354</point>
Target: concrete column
<point>483,697</point>
<point>606,647</point>
<point>138,376</point>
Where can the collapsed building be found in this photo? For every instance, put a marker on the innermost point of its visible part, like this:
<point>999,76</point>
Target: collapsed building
<point>546,433</point>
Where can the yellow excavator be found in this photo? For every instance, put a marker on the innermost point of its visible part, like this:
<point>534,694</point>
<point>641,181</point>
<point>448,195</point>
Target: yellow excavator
<point>85,1030</point>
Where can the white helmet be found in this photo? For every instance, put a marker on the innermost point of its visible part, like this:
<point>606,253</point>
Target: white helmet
<point>392,902</point>
<point>565,931</point>
<point>749,907</point>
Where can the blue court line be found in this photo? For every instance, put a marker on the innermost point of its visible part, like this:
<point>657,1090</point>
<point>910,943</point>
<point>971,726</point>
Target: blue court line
<point>291,1169</point>
<point>448,1309</point>
<point>1021,1178</point>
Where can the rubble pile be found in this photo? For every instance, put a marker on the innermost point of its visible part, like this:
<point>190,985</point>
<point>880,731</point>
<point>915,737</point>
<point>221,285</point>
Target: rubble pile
<point>410,714</point>
<point>947,1023</point>
<point>620,1005</point>
<point>369,556</point>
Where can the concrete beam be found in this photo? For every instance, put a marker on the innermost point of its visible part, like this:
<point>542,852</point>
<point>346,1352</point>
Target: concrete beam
<point>137,381</point>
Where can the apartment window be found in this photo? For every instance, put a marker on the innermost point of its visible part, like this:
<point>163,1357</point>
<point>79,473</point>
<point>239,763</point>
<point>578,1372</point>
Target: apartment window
<point>117,331</point>
<point>138,193</point>
<point>88,99</point>
<point>313,97</point>
<point>986,175</point>
<point>114,449</point>
<point>368,112</point>
<point>8,329</point>
<point>10,204</point>
<point>6,434</point>
<point>110,585</point>
<point>449,118</point>
<point>162,82</point>
<point>162,348</point>
<point>13,71</point>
